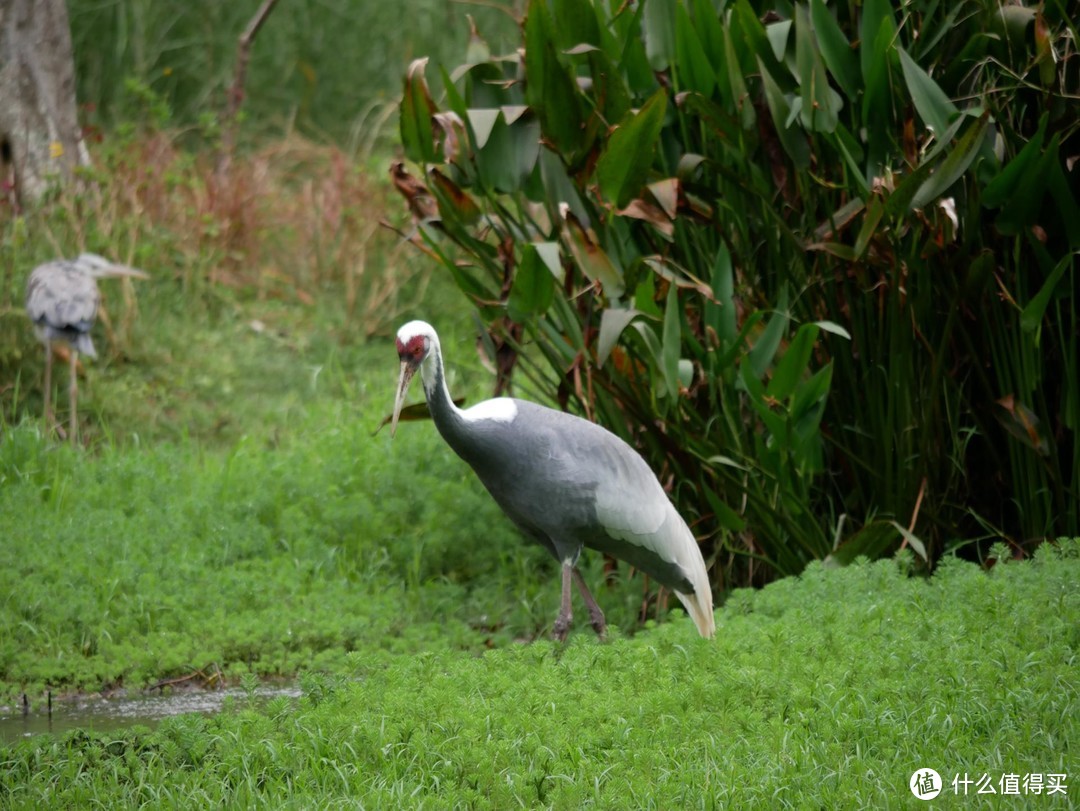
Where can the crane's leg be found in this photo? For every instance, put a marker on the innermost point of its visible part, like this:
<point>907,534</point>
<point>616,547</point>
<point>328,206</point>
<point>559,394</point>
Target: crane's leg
<point>73,393</point>
<point>48,388</point>
<point>596,616</point>
<point>562,622</point>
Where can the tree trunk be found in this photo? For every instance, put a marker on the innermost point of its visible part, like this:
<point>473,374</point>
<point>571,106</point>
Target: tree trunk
<point>40,139</point>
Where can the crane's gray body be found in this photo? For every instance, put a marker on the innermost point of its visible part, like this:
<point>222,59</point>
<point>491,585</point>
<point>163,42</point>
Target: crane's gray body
<point>62,300</point>
<point>568,483</point>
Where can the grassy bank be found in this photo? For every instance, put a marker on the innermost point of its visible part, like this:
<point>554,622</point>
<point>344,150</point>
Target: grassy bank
<point>827,691</point>
<point>283,553</point>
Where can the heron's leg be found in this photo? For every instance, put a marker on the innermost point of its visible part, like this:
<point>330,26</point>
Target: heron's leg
<point>596,616</point>
<point>48,387</point>
<point>562,622</point>
<point>73,393</point>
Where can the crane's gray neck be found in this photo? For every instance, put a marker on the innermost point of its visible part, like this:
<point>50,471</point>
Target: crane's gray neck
<point>447,416</point>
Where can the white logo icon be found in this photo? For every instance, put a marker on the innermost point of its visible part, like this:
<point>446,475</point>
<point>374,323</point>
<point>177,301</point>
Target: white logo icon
<point>925,784</point>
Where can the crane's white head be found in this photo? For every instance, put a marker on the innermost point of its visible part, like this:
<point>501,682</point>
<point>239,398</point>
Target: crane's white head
<point>416,342</point>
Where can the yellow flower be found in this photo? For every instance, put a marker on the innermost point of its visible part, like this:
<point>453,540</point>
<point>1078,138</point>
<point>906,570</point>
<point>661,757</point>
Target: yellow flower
<point>56,150</point>
<point>166,72</point>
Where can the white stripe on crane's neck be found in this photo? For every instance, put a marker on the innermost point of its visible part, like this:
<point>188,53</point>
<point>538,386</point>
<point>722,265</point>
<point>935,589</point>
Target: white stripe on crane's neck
<point>501,409</point>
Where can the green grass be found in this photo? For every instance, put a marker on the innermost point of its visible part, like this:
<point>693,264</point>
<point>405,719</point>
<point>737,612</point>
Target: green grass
<point>823,691</point>
<point>284,552</point>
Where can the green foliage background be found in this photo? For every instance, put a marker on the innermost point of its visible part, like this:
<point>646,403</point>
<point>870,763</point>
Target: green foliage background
<point>329,68</point>
<point>817,261</point>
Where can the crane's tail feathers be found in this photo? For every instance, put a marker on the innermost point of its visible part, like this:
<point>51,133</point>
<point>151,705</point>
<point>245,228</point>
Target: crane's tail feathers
<point>699,606</point>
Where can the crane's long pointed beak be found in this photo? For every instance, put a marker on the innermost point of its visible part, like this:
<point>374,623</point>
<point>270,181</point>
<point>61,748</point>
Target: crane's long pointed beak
<point>407,372</point>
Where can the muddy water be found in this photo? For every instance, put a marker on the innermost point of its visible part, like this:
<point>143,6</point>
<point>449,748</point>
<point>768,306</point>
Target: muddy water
<point>108,713</point>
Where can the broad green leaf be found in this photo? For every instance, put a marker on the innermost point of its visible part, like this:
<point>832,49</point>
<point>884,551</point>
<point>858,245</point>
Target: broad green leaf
<point>693,69</point>
<point>725,516</point>
<point>740,98</point>
<point>549,253</point>
<point>575,23</point>
<point>934,107</point>
<point>876,18</point>
<point>1024,205</point>
<point>645,296</point>
<point>917,546</point>
<point>624,166</point>
<point>871,541</point>
<point>774,421</point>
<point>686,372</point>
<point>793,140</point>
<point>672,341</point>
<point>877,52</point>
<point>613,321</point>
<point>837,52</point>
<point>482,122</point>
<point>477,50</point>
<point>609,87</point>
<point>710,30</point>
<point>721,315</point>
<point>658,29</point>
<point>558,188</point>
<point>769,341</point>
<point>820,103</point>
<point>591,259</point>
<point>793,363</point>
<point>1023,424</point>
<point>871,219</point>
<point>1044,51</point>
<point>811,393</point>
<point>724,127</point>
<point>549,88</point>
<point>746,34</point>
<point>778,34</point>
<point>454,203</point>
<point>853,156</point>
<point>1002,188</point>
<point>533,287</point>
<point>955,164</point>
<point>833,328</point>
<point>417,108</point>
<point>1032,315</point>
<point>509,155</point>
<point>735,350</point>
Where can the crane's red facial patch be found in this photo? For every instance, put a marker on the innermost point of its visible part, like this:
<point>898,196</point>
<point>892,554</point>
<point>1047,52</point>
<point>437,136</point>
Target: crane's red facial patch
<point>413,350</point>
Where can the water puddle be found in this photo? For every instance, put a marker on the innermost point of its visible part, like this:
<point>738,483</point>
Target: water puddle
<point>107,713</point>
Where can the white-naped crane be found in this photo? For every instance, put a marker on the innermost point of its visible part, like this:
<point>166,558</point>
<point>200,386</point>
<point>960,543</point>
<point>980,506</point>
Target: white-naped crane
<point>566,482</point>
<point>62,300</point>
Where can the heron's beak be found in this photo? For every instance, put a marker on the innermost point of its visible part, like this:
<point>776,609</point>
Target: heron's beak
<point>407,372</point>
<point>124,270</point>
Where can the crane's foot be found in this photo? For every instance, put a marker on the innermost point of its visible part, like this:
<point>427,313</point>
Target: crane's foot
<point>598,623</point>
<point>561,628</point>
<point>596,616</point>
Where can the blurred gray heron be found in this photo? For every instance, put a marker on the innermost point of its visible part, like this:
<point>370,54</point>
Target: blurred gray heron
<point>62,300</point>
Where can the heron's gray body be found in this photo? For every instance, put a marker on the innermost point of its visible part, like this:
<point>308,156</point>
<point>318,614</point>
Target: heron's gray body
<point>568,483</point>
<point>62,300</point>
